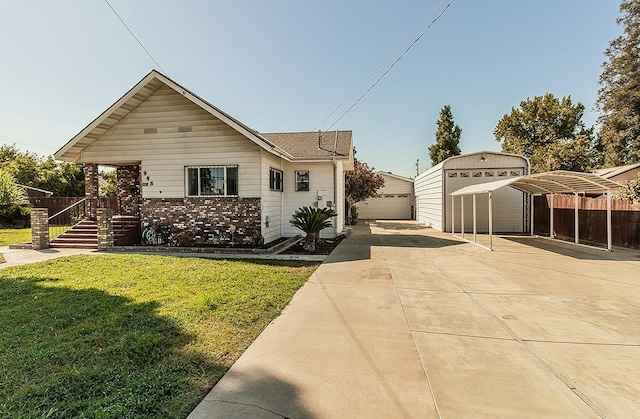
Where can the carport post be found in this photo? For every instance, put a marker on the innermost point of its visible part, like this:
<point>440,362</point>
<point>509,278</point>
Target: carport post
<point>490,222</point>
<point>474,217</point>
<point>551,235</point>
<point>453,214</point>
<point>532,200</point>
<point>575,216</point>
<point>462,214</point>
<point>609,247</point>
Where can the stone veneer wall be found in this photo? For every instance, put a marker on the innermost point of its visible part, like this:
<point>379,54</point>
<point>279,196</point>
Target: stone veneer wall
<point>128,185</point>
<point>197,221</point>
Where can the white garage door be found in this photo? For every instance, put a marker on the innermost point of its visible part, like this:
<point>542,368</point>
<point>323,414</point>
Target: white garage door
<point>508,203</point>
<point>385,207</point>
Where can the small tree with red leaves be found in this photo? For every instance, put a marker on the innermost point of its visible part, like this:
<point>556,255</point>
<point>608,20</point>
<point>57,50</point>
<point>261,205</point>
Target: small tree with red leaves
<point>360,184</point>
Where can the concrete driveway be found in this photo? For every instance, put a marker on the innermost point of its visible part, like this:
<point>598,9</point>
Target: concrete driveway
<point>403,321</point>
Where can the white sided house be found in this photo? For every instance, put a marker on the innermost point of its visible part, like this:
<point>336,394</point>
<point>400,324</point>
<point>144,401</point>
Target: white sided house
<point>394,200</point>
<point>185,164</point>
<point>433,190</point>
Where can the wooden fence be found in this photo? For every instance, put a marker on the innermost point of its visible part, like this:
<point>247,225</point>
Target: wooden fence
<point>56,204</point>
<point>592,219</point>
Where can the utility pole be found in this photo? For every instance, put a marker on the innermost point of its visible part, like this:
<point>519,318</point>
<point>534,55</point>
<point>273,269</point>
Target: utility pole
<point>417,167</point>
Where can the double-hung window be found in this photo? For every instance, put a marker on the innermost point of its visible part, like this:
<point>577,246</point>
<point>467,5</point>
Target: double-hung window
<point>275,180</point>
<point>302,180</point>
<point>212,180</point>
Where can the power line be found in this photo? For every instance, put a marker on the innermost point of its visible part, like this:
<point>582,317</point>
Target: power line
<point>134,37</point>
<point>7,139</point>
<point>381,64</point>
<point>393,65</point>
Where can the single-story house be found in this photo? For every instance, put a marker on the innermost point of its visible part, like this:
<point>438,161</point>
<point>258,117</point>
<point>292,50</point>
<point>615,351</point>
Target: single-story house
<point>622,174</point>
<point>433,190</point>
<point>35,192</point>
<point>394,201</point>
<point>183,163</point>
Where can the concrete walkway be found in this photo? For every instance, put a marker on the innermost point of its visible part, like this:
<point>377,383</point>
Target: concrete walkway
<point>403,321</point>
<point>17,257</point>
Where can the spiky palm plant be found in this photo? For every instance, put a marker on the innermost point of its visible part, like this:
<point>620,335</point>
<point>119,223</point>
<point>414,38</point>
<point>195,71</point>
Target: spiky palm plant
<point>312,220</point>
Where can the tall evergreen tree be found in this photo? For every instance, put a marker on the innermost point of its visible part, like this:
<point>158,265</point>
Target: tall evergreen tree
<point>447,137</point>
<point>619,93</point>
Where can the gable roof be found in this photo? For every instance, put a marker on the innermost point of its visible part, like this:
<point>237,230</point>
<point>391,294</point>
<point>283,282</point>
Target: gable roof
<point>406,179</point>
<point>610,172</point>
<point>71,151</point>
<point>314,145</point>
<point>34,192</point>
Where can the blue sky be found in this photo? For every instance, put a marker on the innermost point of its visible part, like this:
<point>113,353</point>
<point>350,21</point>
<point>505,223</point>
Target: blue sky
<point>284,65</point>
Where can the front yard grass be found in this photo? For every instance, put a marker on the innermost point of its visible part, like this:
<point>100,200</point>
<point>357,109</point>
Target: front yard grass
<point>130,335</point>
<point>14,235</point>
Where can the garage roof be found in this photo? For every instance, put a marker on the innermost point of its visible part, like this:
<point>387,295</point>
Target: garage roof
<point>559,181</point>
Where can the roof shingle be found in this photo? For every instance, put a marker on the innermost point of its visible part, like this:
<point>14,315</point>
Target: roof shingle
<point>313,144</point>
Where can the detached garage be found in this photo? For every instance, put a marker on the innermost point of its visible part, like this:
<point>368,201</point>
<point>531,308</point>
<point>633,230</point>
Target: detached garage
<point>393,202</point>
<point>433,189</point>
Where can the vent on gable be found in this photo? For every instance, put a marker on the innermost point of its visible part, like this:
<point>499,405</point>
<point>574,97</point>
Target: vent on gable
<point>185,129</point>
<point>150,130</point>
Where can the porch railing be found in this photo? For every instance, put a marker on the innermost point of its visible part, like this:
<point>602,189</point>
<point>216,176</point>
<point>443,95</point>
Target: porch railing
<point>67,218</point>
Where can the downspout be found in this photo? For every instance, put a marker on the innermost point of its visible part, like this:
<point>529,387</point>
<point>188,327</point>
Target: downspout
<point>335,184</point>
<point>262,220</point>
<point>335,192</point>
<point>282,220</point>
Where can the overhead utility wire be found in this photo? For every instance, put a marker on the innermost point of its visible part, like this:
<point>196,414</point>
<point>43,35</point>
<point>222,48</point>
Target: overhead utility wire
<point>392,65</point>
<point>7,139</point>
<point>381,64</point>
<point>134,37</point>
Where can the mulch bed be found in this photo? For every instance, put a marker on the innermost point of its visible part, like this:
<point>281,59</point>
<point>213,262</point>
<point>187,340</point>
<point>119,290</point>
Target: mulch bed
<point>324,247</point>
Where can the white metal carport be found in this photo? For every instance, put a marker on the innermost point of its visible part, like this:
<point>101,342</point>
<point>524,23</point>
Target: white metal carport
<point>538,184</point>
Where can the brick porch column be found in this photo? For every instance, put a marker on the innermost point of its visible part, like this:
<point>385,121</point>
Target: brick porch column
<point>129,190</point>
<point>105,229</point>
<point>91,189</point>
<point>39,228</point>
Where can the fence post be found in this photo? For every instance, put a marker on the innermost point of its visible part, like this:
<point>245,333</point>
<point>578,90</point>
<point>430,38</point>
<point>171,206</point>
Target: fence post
<point>105,228</point>
<point>39,228</point>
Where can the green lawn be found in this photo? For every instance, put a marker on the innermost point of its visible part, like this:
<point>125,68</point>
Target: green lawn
<point>119,336</point>
<point>14,235</point>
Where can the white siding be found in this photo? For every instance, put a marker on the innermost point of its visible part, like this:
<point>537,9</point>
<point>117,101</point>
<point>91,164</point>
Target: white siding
<point>165,153</point>
<point>393,185</point>
<point>508,203</point>
<point>428,191</point>
<point>320,179</point>
<point>433,202</point>
<point>394,200</point>
<point>271,202</point>
<point>339,202</point>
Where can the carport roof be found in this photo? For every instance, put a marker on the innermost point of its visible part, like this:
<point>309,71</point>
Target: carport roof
<point>559,181</point>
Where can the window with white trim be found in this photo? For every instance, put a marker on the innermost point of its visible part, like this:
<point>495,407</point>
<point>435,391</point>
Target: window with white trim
<point>275,179</point>
<point>211,180</point>
<point>302,180</point>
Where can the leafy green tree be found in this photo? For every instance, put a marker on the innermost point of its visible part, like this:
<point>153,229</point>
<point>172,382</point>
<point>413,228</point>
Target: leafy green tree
<point>618,96</point>
<point>630,190</point>
<point>63,179</point>
<point>359,184</point>
<point>312,221</point>
<point>111,187</point>
<point>10,193</point>
<point>447,137</point>
<point>550,132</point>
